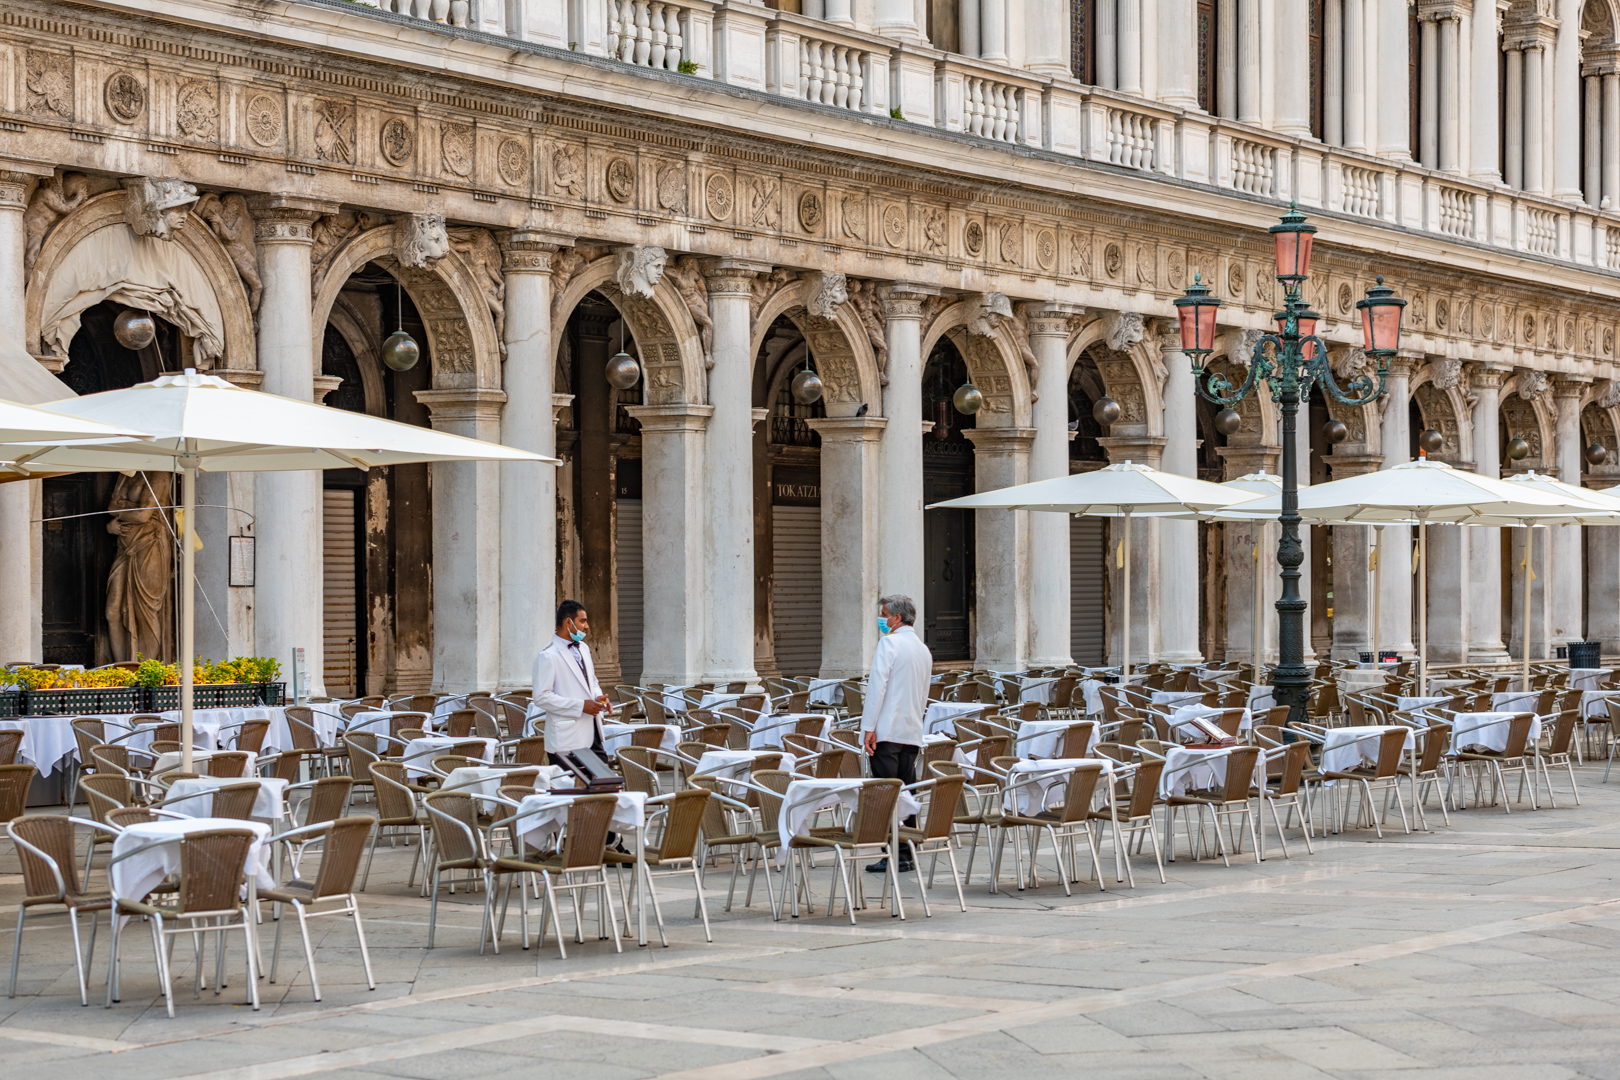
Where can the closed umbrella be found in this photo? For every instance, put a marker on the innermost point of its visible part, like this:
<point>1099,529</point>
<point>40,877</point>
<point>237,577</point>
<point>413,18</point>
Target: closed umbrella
<point>1124,490</point>
<point>203,423</point>
<point>1427,492</point>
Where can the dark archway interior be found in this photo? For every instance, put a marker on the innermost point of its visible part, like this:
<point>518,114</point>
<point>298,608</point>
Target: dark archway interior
<point>947,534</point>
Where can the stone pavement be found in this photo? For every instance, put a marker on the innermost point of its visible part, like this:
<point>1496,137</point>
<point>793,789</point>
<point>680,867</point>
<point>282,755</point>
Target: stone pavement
<point>1482,950</point>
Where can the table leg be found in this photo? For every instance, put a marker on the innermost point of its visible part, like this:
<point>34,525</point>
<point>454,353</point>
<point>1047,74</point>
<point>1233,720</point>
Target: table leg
<point>641,872</point>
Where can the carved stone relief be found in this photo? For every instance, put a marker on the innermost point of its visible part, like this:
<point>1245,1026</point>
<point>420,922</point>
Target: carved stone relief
<point>334,132</point>
<point>1532,384</point>
<point>196,110</point>
<point>330,232</point>
<point>262,118</point>
<point>157,208</point>
<point>512,162</point>
<point>973,239</point>
<point>761,287</point>
<point>894,225</point>
<point>868,307</point>
<point>396,140</point>
<point>457,145</point>
<point>1010,245</point>
<point>764,202</point>
<point>620,179</point>
<point>640,269</point>
<point>718,196</point>
<point>686,275</point>
<point>827,292</point>
<point>55,198</point>
<point>852,217</point>
<point>568,170</point>
<point>477,249</point>
<point>933,229</point>
<point>49,83</point>
<point>125,97</point>
<point>227,215</point>
<point>671,185</point>
<point>1447,373</point>
<point>421,240</point>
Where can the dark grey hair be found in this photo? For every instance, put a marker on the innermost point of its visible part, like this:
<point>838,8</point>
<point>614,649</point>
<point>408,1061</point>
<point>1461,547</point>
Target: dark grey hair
<point>901,608</point>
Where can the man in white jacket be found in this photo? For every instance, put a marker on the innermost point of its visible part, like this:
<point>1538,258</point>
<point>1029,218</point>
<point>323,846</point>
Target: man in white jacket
<point>896,699</point>
<point>565,687</point>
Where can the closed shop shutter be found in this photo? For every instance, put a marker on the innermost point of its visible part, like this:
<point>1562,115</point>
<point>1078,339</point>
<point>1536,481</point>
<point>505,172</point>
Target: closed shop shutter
<point>1087,625</point>
<point>342,638</point>
<point>632,619</point>
<point>796,616</point>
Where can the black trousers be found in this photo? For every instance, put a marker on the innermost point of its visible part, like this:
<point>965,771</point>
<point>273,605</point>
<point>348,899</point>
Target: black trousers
<point>897,761</point>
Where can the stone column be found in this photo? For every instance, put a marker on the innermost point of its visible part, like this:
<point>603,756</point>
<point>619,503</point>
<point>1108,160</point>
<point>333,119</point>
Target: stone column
<point>1226,39</point>
<point>1534,173</point>
<point>900,565</point>
<point>21,636</point>
<point>850,521</point>
<point>993,30</point>
<point>1451,92</point>
<point>1001,551</point>
<point>1484,97</point>
<point>1107,47</point>
<point>1592,141</point>
<point>1513,153</point>
<point>1611,139</point>
<point>673,517</point>
<point>1292,89</point>
<point>1049,457</point>
<point>289,516</point>
<point>1178,66</point>
<point>1428,148</point>
<point>1392,58</point>
<point>1249,61</point>
<point>729,528</point>
<point>1485,544</point>
<point>528,491</point>
<point>1178,575</point>
<point>467,584</point>
<point>1333,75</point>
<point>1566,104</point>
<point>1355,74</point>
<point>1395,609</point>
<point>1603,573</point>
<point>898,19</point>
<point>1130,46</point>
<point>1564,541</point>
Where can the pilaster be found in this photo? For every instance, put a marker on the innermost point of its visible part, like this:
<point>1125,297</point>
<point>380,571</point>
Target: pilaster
<point>1001,550</point>
<point>850,518</point>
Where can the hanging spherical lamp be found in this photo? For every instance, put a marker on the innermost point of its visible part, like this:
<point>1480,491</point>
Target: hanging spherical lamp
<point>134,330</point>
<point>806,387</point>
<point>1430,441</point>
<point>622,370</point>
<point>1106,411</point>
<point>1228,421</point>
<point>1517,449</point>
<point>400,351</point>
<point>1597,454</point>
<point>1335,432</point>
<point>967,399</point>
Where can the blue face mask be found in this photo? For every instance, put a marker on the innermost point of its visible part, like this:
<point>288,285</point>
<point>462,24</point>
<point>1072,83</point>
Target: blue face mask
<point>576,636</point>
<point>883,625</point>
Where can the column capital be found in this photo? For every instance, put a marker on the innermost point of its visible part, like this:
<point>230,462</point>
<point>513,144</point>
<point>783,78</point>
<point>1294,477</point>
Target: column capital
<point>671,418</point>
<point>15,178</point>
<point>530,250</point>
<point>1354,464</point>
<point>1143,449</point>
<point>287,219</point>
<point>1051,319</point>
<point>1487,376</point>
<point>1405,363</point>
<point>325,384</point>
<point>1437,10</point>
<point>733,277</point>
<point>1243,460</point>
<point>246,378</point>
<point>904,299</point>
<point>849,429</point>
<point>470,403</point>
<point>1000,439</point>
<point>1570,386</point>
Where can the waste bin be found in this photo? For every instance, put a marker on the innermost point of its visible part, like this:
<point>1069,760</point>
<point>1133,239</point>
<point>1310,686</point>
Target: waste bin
<point>1585,654</point>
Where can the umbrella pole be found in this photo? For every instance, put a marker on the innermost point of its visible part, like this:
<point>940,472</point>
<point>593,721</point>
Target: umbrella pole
<point>1423,607</point>
<point>1125,641</point>
<point>188,601</point>
<point>1524,642</point>
<point>1258,599</point>
<point>1378,588</point>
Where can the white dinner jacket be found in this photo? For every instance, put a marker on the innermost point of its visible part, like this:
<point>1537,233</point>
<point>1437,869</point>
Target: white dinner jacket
<point>561,689</point>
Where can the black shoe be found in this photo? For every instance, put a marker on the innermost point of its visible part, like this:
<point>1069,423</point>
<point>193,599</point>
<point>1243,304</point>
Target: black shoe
<point>879,867</point>
<point>906,866</point>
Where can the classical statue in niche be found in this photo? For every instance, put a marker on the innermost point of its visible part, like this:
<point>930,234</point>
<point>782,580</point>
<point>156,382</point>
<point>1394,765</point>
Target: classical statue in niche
<point>421,240</point>
<point>138,586</point>
<point>157,208</point>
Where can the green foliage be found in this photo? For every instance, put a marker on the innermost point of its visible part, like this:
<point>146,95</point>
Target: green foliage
<point>894,113</point>
<point>687,67</point>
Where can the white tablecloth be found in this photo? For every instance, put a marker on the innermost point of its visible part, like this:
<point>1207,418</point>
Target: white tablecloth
<point>1043,776</point>
<point>1030,688</point>
<point>826,691</point>
<point>375,721</point>
<point>171,761</point>
<point>487,780</point>
<point>540,817</point>
<point>195,798</point>
<point>941,715</point>
<point>615,736</point>
<point>1088,689</point>
<point>205,725</point>
<point>47,741</point>
<point>1595,703</point>
<point>1179,718</point>
<point>1188,770</point>
<point>1407,704</point>
<point>419,753</point>
<point>770,729</point>
<point>1262,696</point>
<point>1487,729</point>
<point>1176,697</point>
<point>1348,748</point>
<point>736,764</point>
<point>1587,678</point>
<point>1040,738</point>
<point>138,875</point>
<point>1354,679</point>
<point>804,798</point>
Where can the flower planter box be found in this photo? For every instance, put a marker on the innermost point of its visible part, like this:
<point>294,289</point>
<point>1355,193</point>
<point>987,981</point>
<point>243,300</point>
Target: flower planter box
<point>10,703</point>
<point>214,696</point>
<point>81,701</point>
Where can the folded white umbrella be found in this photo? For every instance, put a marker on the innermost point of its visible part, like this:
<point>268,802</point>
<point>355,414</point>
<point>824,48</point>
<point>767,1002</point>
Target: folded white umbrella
<point>203,423</point>
<point>1124,490</point>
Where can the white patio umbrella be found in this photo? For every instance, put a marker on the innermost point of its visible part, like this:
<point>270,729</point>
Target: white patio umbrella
<point>203,423</point>
<point>1426,492</point>
<point>1125,490</point>
<point>28,424</point>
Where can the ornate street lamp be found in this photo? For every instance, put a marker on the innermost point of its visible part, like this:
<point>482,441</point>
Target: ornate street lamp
<point>1290,362</point>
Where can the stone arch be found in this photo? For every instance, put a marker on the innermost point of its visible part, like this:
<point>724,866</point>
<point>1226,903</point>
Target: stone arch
<point>1533,420</point>
<point>994,363</point>
<point>843,356</point>
<point>672,361</point>
<point>197,240</point>
<point>1130,376</point>
<point>352,326</point>
<point>1444,408</point>
<point>462,343</point>
<point>1600,423</point>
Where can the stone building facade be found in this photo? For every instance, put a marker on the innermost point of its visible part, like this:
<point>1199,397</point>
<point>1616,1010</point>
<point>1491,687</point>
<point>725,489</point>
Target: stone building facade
<point>901,195</point>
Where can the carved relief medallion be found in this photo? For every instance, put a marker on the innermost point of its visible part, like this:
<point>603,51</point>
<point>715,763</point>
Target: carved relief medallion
<point>894,224</point>
<point>196,113</point>
<point>263,120</point>
<point>672,187</point>
<point>512,162</point>
<point>1113,260</point>
<point>568,170</point>
<point>334,132</point>
<point>50,83</point>
<point>621,179</point>
<point>1442,314</point>
<point>457,144</point>
<point>1608,340</point>
<point>1234,280</point>
<point>1175,268</point>
<point>125,97</point>
<point>811,212</point>
<point>1046,249</point>
<point>719,197</point>
<point>1010,242</point>
<point>933,230</point>
<point>1346,299</point>
<point>1080,256</point>
<point>973,239</point>
<point>1487,319</point>
<point>1529,329</point>
<point>397,141</point>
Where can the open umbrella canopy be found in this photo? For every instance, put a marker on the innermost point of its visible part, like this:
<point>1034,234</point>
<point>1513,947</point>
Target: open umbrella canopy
<point>1423,490</point>
<point>229,429</point>
<point>1583,506</point>
<point>28,424</point>
<point>1114,491</point>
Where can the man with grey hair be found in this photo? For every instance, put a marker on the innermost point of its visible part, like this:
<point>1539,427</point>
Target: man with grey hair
<point>896,699</point>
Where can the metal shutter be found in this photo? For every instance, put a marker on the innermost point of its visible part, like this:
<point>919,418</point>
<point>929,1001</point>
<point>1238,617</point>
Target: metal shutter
<point>632,619</point>
<point>342,636</point>
<point>1087,570</point>
<point>796,619</point>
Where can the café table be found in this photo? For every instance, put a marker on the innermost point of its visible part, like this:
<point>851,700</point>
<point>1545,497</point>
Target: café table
<point>826,692</point>
<point>1040,738</point>
<point>1179,718</point>
<point>1488,729</point>
<point>735,765</point>
<point>615,736</point>
<point>195,798</point>
<point>769,730</point>
<point>941,715</point>
<point>540,817</point>
<point>134,876</point>
<point>484,781</point>
<point>1188,769</point>
<point>418,754</point>
<point>805,798</point>
<point>171,761</point>
<point>1346,748</point>
<point>47,741</point>
<point>1042,776</point>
